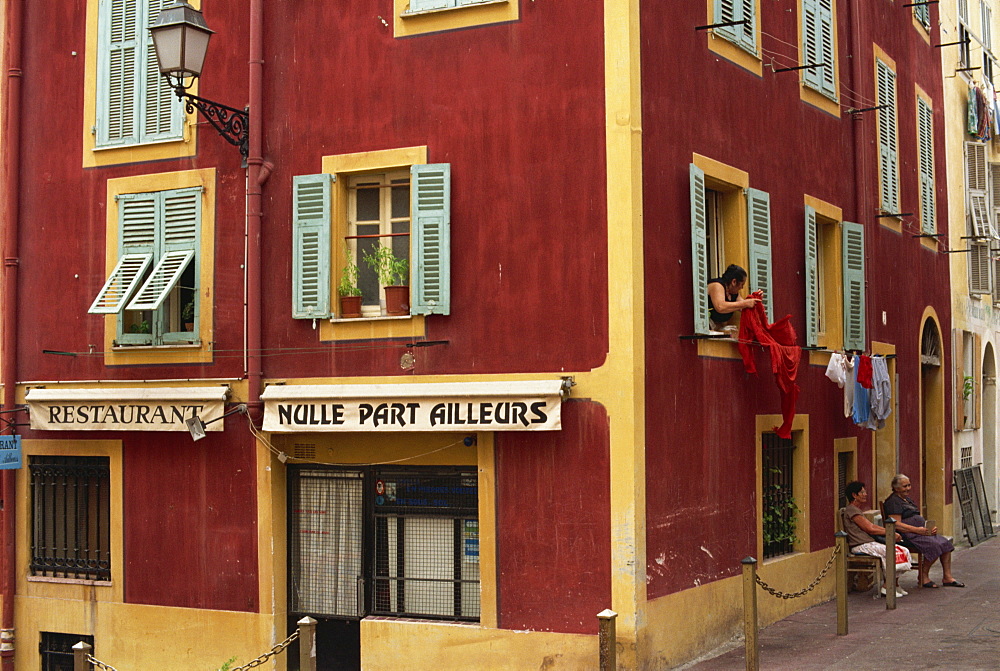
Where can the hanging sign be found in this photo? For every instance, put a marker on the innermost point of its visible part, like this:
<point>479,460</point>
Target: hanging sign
<point>10,452</point>
<point>484,406</point>
<point>125,409</point>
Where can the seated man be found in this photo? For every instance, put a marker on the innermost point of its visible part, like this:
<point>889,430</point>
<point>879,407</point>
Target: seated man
<point>860,531</point>
<point>913,526</point>
<point>724,297</point>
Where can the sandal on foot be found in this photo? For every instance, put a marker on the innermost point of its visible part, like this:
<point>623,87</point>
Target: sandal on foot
<point>954,583</point>
<point>930,584</point>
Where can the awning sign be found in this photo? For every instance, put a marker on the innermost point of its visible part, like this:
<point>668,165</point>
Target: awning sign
<point>125,409</point>
<point>484,406</point>
<point>10,452</point>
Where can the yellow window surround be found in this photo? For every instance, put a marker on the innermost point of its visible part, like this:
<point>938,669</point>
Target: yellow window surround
<point>406,23</point>
<point>165,354</point>
<point>730,51</point>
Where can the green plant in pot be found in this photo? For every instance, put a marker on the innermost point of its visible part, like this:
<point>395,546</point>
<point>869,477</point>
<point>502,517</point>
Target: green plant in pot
<point>393,274</point>
<point>350,292</point>
<point>187,315</point>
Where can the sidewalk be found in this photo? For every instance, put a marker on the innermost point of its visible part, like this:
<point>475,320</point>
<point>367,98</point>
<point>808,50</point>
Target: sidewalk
<point>945,628</point>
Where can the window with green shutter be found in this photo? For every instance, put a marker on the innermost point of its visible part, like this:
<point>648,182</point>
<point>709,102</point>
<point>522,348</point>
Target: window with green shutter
<point>699,250</point>
<point>742,15</point>
<point>759,220</point>
<point>818,34</point>
<point>135,104</point>
<point>854,285</point>
<point>405,211</point>
<point>431,5</point>
<point>812,278</point>
<point>887,140</point>
<point>154,286</point>
<point>925,149</point>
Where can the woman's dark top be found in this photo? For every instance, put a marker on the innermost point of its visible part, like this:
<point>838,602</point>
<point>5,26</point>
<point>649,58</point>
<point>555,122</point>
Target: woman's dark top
<point>715,316</point>
<point>931,547</point>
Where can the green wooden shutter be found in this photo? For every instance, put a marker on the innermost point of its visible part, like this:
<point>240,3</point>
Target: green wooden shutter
<point>162,110</point>
<point>118,69</point>
<point>311,222</point>
<point>699,250</point>
<point>137,216</point>
<point>430,214</point>
<point>925,134</point>
<point>888,159</point>
<point>854,285</point>
<point>811,49</point>
<point>179,232</point>
<point>812,278</point>
<point>748,31</point>
<point>759,214</point>
<point>923,14</point>
<point>737,10</point>
<point>424,5</point>
<point>826,77</point>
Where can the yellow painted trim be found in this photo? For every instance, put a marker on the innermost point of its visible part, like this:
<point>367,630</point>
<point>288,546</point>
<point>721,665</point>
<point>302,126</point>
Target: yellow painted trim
<point>893,223</point>
<point>78,590</point>
<point>451,19</point>
<point>885,448</point>
<point>703,617</point>
<point>721,174</point>
<point>841,445</point>
<point>171,354</point>
<point>932,431</point>
<point>94,157</point>
<point>736,55</point>
<point>343,165</point>
<point>800,479</point>
<point>488,601</point>
<point>830,239</point>
<point>808,94</point>
<point>423,645</point>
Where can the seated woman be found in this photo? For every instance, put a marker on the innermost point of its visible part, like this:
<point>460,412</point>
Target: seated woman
<point>900,507</point>
<point>724,297</point>
<point>860,530</point>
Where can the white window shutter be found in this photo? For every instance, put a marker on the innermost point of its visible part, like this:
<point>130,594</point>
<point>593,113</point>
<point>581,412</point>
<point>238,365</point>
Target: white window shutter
<point>995,195</point>
<point>162,281</point>
<point>812,279</point>
<point>979,268</point>
<point>118,66</point>
<point>759,216</point>
<point>699,250</point>
<point>430,213</point>
<point>121,284</point>
<point>977,189</point>
<point>995,261</point>
<point>854,285</point>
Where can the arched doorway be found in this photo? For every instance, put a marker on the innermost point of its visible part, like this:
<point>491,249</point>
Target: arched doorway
<point>989,388</point>
<point>932,425</point>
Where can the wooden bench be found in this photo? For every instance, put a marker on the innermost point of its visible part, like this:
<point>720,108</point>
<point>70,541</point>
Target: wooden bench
<point>862,563</point>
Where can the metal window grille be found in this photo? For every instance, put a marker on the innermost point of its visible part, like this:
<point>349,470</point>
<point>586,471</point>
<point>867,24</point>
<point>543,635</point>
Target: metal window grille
<point>843,468</point>
<point>71,511</point>
<point>57,650</point>
<point>427,545</point>
<point>779,509</point>
<point>966,457</point>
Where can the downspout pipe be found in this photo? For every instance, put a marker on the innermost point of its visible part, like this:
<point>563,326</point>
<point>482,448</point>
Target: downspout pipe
<point>8,343</point>
<point>257,173</point>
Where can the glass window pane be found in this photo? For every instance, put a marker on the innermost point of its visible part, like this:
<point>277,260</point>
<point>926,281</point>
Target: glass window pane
<point>368,206</point>
<point>401,199</point>
<point>367,277</point>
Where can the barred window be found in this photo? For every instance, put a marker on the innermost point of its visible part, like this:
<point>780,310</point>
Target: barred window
<point>779,497</point>
<point>57,650</point>
<point>71,511</point>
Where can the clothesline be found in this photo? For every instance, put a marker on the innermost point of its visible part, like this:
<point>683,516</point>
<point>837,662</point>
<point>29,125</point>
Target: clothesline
<point>723,336</point>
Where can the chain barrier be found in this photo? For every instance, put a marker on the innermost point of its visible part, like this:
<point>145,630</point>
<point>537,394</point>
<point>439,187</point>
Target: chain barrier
<point>802,592</point>
<point>99,664</point>
<point>269,654</point>
<point>249,665</point>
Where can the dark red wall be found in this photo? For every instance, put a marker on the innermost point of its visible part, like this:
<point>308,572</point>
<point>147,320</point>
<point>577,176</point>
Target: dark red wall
<point>191,511</point>
<point>554,523</point>
<point>701,473</point>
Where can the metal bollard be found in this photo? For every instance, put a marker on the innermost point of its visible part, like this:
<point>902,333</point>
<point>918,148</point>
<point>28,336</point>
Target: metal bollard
<point>80,653</point>
<point>890,563</point>
<point>750,613</point>
<point>307,644</point>
<point>607,640</point>
<point>841,540</point>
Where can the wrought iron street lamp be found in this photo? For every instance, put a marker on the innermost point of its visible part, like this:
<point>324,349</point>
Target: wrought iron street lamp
<point>180,38</point>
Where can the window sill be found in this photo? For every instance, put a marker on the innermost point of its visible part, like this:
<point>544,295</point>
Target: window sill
<point>156,348</point>
<point>365,318</point>
<point>69,581</point>
<point>133,145</point>
<point>425,12</point>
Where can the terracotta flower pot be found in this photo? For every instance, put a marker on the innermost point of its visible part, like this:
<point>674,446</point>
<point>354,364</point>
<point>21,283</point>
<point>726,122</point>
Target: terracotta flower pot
<point>350,306</point>
<point>397,301</point>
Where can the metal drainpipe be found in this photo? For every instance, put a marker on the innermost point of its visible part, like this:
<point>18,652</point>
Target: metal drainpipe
<point>8,353</point>
<point>255,178</point>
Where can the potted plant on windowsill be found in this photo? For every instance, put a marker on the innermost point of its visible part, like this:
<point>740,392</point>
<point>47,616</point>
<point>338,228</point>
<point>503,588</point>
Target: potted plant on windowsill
<point>187,315</point>
<point>350,292</point>
<point>393,273</point>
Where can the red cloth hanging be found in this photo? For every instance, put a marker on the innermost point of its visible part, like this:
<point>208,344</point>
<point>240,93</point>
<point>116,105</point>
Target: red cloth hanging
<point>779,338</point>
<point>865,371</point>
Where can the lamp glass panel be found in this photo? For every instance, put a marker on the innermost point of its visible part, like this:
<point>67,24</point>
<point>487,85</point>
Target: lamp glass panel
<point>195,46</point>
<point>167,42</point>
